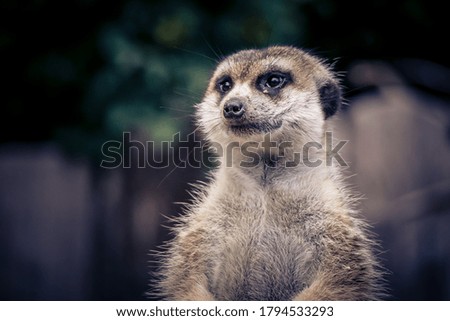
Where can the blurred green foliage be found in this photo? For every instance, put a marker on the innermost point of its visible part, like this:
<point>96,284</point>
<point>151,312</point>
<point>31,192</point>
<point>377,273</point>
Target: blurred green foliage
<point>82,72</point>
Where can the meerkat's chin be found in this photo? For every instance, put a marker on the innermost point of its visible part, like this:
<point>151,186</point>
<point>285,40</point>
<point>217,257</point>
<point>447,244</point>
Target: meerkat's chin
<point>242,129</point>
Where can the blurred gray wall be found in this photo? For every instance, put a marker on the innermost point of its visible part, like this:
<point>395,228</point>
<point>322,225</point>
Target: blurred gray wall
<point>70,230</point>
<point>399,156</point>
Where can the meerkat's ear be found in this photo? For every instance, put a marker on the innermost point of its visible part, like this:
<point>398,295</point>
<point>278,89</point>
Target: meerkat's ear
<point>330,97</point>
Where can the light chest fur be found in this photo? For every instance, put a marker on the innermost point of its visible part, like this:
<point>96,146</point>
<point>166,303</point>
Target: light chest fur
<point>271,259</point>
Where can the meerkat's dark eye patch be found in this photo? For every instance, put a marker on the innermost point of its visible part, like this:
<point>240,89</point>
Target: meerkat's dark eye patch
<point>224,84</point>
<point>273,81</point>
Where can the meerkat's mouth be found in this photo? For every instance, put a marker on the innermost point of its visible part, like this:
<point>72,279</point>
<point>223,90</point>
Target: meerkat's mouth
<point>254,128</point>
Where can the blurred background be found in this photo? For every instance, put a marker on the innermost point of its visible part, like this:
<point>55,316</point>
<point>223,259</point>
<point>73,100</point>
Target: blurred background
<point>76,74</point>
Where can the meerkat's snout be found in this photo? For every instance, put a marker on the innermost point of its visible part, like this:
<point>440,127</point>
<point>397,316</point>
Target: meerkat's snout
<point>234,109</point>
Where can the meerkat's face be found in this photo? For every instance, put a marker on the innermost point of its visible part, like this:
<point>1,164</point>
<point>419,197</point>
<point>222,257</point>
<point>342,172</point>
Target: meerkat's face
<point>279,90</point>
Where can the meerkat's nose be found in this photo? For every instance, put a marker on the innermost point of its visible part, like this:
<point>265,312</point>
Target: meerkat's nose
<point>233,109</point>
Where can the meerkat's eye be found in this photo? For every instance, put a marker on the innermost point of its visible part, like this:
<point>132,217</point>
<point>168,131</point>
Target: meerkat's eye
<point>275,81</point>
<point>224,84</point>
<point>272,82</point>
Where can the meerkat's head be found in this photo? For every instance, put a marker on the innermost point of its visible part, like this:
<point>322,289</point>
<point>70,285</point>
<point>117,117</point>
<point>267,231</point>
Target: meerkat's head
<point>278,90</point>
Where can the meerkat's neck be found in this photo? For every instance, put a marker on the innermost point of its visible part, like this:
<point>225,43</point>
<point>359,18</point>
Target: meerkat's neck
<point>281,165</point>
<point>273,175</point>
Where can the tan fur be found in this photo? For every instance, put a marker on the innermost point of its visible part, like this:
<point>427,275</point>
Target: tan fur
<point>270,232</point>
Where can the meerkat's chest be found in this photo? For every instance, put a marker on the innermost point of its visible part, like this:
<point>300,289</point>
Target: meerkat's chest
<point>258,260</point>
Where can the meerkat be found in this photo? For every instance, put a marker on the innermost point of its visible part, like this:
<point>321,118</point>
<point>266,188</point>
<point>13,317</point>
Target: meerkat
<point>268,226</point>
